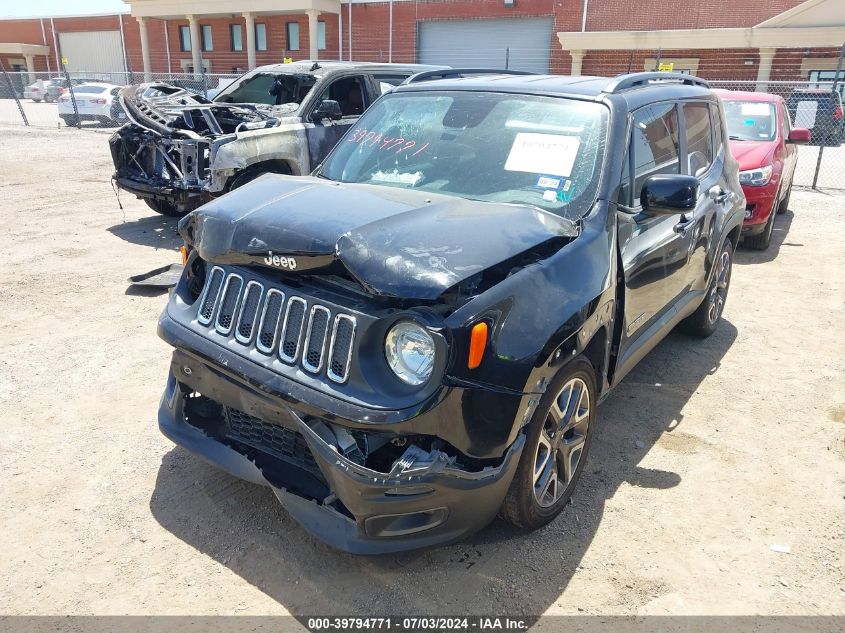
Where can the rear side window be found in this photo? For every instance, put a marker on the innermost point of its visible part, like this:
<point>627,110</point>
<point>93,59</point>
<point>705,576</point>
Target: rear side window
<point>388,82</point>
<point>699,138</point>
<point>655,143</point>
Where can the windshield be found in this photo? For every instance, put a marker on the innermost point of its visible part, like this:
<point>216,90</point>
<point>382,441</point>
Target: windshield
<point>89,89</point>
<point>268,89</point>
<point>751,120</point>
<point>503,148</point>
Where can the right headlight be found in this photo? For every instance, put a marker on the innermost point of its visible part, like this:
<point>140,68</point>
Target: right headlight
<point>409,350</point>
<point>756,177</point>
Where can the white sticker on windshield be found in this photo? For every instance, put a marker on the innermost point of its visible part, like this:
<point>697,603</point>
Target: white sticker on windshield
<point>755,109</point>
<point>552,154</point>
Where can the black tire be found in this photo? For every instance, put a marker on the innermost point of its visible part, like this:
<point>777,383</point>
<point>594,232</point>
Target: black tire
<point>783,207</point>
<point>164,207</point>
<point>761,241</point>
<point>69,120</point>
<point>704,321</point>
<point>251,173</point>
<point>37,100</point>
<point>529,502</point>
<point>48,99</point>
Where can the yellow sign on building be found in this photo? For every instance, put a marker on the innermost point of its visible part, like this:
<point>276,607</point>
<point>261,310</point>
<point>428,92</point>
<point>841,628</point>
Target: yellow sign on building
<point>667,67</point>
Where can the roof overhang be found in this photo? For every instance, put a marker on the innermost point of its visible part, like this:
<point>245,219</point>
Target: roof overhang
<point>8,48</point>
<point>209,8</point>
<point>754,37</point>
<point>814,23</point>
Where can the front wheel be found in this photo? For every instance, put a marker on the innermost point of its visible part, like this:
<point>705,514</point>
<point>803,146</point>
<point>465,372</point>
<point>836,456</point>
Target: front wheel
<point>783,207</point>
<point>164,207</point>
<point>558,438</point>
<point>703,321</point>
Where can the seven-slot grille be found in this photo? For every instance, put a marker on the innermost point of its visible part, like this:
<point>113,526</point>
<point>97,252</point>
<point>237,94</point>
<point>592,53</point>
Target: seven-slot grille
<point>277,323</point>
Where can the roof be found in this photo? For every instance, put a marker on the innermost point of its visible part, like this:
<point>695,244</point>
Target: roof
<point>585,87</point>
<point>745,95</point>
<point>305,65</point>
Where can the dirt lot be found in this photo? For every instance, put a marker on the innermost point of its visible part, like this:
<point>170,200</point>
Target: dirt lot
<point>708,455</point>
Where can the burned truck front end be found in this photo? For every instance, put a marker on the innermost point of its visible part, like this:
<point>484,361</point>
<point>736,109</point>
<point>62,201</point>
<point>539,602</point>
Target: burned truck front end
<point>321,349</point>
<point>166,152</point>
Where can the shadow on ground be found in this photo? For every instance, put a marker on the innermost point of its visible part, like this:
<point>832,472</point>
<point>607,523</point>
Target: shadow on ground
<point>157,231</point>
<point>780,234</point>
<point>243,527</point>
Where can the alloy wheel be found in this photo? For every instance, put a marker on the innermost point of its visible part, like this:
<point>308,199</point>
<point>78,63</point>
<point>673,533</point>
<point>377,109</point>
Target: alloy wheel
<point>562,441</point>
<point>719,292</point>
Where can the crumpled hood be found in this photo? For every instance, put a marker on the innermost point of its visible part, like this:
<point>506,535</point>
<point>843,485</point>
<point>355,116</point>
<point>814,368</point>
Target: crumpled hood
<point>752,154</point>
<point>395,242</point>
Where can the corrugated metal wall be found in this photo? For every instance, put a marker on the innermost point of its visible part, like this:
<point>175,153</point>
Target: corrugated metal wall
<point>95,52</point>
<point>519,43</point>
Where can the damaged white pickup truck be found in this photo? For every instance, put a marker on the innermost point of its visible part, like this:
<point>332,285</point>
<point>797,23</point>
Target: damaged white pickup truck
<point>179,149</point>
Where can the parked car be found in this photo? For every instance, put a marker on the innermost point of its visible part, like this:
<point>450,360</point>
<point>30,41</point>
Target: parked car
<point>763,142</point>
<point>417,337</point>
<point>820,111</point>
<point>94,102</point>
<point>182,149</point>
<point>50,90</point>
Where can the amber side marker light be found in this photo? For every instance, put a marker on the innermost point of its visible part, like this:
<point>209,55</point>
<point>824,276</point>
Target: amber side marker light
<point>184,252</point>
<point>477,344</point>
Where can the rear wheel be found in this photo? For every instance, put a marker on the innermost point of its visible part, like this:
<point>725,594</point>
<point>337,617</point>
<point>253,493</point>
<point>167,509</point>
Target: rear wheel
<point>37,100</point>
<point>164,207</point>
<point>69,120</point>
<point>48,99</point>
<point>558,438</point>
<point>705,319</point>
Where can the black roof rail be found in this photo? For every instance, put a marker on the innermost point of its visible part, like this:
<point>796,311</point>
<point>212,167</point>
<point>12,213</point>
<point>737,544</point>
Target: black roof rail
<point>636,80</point>
<point>446,73</point>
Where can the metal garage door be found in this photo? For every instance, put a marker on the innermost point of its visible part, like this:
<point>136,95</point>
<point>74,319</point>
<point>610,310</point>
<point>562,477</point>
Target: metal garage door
<point>521,44</point>
<point>94,52</point>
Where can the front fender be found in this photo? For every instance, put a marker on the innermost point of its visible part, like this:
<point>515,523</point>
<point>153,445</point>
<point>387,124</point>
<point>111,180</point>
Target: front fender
<point>553,305</point>
<point>283,143</point>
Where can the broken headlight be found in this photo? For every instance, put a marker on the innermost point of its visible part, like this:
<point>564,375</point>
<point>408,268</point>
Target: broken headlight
<point>409,350</point>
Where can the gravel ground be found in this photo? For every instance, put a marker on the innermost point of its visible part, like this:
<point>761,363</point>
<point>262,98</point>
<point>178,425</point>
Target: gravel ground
<point>709,458</point>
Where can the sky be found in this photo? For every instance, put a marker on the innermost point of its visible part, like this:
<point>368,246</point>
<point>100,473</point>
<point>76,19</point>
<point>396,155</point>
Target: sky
<point>47,8</point>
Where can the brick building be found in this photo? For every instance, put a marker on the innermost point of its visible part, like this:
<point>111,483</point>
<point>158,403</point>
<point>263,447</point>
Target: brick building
<point>753,40</point>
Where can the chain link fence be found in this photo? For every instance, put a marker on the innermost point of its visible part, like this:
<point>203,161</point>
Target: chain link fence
<point>84,100</point>
<point>88,100</point>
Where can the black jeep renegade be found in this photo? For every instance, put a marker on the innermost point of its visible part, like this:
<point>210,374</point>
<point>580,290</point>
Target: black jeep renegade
<point>417,337</point>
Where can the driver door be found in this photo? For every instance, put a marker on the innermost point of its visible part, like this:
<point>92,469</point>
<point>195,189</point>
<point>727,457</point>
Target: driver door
<point>323,135</point>
<point>655,249</point>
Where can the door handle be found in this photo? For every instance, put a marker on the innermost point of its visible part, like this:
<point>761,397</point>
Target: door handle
<point>717,194</point>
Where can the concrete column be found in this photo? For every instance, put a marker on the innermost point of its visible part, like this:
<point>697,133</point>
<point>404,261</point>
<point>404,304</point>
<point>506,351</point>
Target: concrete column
<point>764,71</point>
<point>196,45</point>
<point>577,61</point>
<point>250,39</point>
<point>145,48</point>
<point>312,14</point>
<point>30,67</point>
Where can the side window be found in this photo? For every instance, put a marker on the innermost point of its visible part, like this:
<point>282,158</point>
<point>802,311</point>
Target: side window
<point>699,138</point>
<point>716,118</point>
<point>785,122</point>
<point>655,143</point>
<point>349,93</point>
<point>387,82</point>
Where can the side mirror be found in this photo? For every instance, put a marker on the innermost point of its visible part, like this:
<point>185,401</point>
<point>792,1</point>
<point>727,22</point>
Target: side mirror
<point>328,109</point>
<point>668,194</point>
<point>798,136</point>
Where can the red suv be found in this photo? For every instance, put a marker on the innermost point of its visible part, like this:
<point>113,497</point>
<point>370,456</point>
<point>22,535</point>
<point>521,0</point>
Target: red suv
<point>762,140</point>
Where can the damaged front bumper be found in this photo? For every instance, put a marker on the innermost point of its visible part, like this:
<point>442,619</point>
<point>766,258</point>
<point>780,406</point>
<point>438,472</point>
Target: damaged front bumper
<point>423,498</point>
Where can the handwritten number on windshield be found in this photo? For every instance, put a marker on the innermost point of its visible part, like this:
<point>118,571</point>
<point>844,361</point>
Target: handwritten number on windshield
<point>363,136</point>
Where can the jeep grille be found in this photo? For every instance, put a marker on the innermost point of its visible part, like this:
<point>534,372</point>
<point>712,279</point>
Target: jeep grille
<point>274,323</point>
